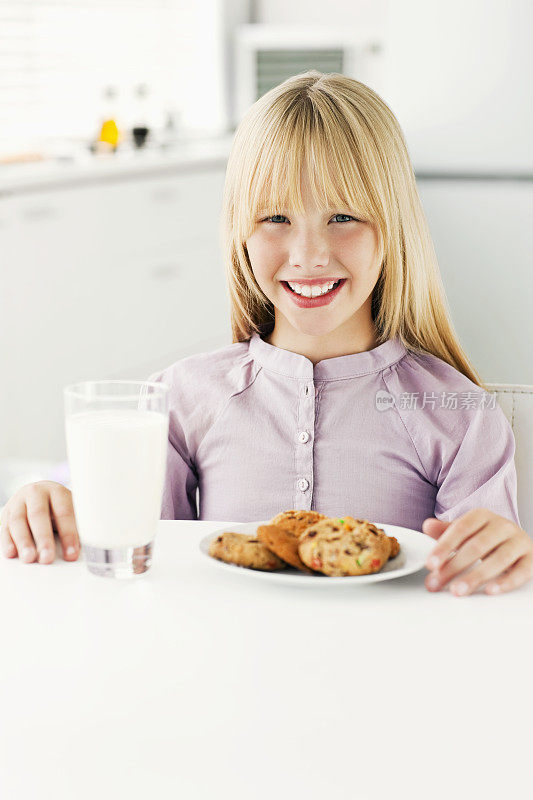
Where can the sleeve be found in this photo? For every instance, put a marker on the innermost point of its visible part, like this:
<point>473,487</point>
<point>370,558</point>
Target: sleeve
<point>181,479</point>
<point>480,471</point>
<point>181,482</point>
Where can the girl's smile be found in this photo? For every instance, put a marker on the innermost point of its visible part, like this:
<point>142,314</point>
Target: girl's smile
<point>304,301</point>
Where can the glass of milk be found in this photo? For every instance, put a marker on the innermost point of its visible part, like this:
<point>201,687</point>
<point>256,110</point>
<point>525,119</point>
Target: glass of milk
<point>116,437</point>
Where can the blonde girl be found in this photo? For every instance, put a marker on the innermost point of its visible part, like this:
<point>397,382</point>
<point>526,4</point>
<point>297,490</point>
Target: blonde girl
<point>345,389</point>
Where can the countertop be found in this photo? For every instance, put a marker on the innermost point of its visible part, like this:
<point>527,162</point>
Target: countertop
<point>83,167</point>
<point>192,681</point>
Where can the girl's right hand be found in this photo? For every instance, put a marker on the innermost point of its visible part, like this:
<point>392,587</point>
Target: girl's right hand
<point>29,519</point>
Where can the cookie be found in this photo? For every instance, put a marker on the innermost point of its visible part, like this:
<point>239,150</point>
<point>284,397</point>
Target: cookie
<point>341,546</point>
<point>284,543</point>
<point>245,550</point>
<point>297,521</point>
<point>395,547</point>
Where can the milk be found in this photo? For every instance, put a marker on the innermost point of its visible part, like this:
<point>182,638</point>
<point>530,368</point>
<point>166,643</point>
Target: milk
<point>117,464</point>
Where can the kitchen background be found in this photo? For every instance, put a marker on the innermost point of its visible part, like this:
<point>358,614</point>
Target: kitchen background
<point>116,119</point>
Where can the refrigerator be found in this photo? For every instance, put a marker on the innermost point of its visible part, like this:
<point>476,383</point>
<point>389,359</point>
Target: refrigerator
<point>459,78</point>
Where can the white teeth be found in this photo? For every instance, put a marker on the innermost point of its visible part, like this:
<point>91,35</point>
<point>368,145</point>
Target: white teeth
<point>311,291</point>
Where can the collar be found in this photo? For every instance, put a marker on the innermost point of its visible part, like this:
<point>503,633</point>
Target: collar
<point>294,365</point>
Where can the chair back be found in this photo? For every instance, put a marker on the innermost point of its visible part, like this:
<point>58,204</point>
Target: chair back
<point>516,402</point>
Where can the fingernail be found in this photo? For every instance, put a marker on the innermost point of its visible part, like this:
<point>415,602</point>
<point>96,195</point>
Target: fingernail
<point>493,589</point>
<point>27,553</point>
<point>44,555</point>
<point>433,562</point>
<point>71,550</point>
<point>459,588</point>
<point>433,583</point>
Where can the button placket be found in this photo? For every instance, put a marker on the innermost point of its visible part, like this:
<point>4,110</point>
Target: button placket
<point>304,446</point>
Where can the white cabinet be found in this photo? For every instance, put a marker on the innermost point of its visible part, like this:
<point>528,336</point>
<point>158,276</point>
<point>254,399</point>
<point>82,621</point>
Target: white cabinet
<point>110,280</point>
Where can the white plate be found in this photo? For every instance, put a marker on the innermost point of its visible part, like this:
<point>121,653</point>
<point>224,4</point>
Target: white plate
<point>414,549</point>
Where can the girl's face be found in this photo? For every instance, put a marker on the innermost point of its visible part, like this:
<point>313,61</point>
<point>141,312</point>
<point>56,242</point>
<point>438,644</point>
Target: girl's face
<point>316,245</point>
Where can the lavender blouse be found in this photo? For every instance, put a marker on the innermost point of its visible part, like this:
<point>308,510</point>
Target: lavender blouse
<point>387,435</point>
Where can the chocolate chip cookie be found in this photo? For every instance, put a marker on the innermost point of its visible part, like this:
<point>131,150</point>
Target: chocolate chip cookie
<point>245,550</point>
<point>296,521</point>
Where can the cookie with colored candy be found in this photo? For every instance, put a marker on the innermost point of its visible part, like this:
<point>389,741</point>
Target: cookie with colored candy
<point>395,545</point>
<point>296,521</point>
<point>284,543</point>
<point>244,550</point>
<point>342,546</point>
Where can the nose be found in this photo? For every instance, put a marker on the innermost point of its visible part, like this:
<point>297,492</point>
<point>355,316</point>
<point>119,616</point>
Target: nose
<point>308,250</point>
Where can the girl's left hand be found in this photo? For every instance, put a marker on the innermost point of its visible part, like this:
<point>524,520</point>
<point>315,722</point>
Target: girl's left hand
<point>505,550</point>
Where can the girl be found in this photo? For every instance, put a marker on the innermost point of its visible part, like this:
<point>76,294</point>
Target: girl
<point>345,389</point>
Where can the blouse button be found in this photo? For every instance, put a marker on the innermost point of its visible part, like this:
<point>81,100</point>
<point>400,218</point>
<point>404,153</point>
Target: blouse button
<point>303,484</point>
<point>303,436</point>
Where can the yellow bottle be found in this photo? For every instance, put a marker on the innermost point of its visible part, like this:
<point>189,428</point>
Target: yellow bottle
<point>109,132</point>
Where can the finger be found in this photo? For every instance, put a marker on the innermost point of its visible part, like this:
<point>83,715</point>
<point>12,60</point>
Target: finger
<point>434,527</point>
<point>20,532</point>
<point>40,522</point>
<point>6,542</point>
<point>515,576</point>
<point>65,521</point>
<point>501,559</point>
<point>477,547</point>
<point>456,533</point>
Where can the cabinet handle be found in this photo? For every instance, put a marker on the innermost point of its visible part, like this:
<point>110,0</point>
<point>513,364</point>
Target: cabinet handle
<point>165,272</point>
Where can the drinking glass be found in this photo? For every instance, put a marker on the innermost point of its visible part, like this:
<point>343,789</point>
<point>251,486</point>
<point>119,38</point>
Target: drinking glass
<point>116,437</point>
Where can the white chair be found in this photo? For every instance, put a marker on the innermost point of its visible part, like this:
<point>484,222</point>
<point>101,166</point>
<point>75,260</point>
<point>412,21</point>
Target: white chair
<point>516,402</point>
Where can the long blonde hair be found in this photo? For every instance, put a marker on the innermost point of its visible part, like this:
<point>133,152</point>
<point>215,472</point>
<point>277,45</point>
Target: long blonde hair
<point>356,156</point>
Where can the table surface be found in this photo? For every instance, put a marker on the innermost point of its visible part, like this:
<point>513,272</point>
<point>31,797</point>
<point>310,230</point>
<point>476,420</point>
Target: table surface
<point>195,682</point>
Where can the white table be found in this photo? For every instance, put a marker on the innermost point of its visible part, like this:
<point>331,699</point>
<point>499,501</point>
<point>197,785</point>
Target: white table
<point>192,682</point>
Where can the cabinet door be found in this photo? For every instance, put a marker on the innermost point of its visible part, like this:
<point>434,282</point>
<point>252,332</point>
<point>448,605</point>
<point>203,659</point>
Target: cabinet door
<point>154,211</point>
<point>49,245</point>
<point>98,281</point>
<point>159,304</point>
<point>161,275</point>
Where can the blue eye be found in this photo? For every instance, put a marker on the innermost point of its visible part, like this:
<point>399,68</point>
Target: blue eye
<point>346,215</point>
<point>280,216</point>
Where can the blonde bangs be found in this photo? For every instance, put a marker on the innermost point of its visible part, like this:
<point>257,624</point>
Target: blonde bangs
<point>309,137</point>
